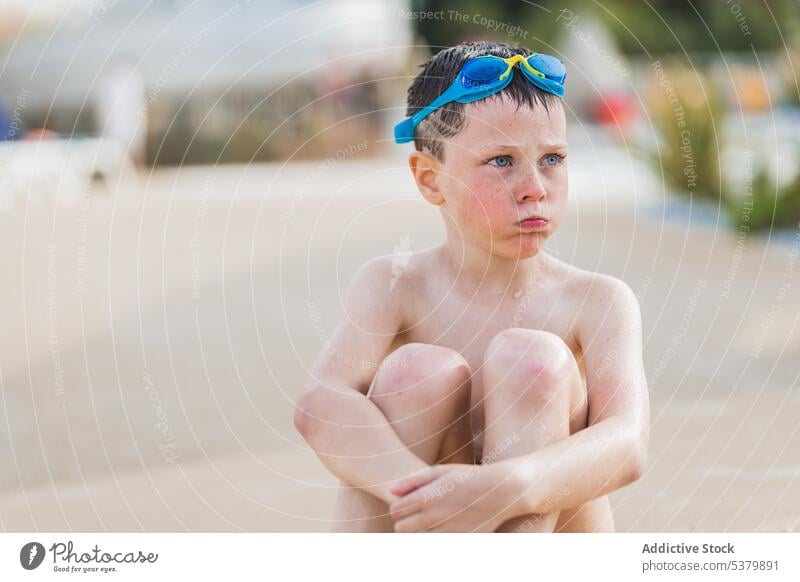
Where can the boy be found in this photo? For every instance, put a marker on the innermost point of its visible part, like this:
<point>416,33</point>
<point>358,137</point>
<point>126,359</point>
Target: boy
<point>484,385</point>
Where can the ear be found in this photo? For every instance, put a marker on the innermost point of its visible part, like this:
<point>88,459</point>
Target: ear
<point>425,168</point>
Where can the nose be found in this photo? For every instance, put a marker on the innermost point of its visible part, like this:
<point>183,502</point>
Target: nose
<point>531,187</point>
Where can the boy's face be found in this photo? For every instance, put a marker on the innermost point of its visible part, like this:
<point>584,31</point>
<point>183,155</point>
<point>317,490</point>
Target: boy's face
<point>506,165</point>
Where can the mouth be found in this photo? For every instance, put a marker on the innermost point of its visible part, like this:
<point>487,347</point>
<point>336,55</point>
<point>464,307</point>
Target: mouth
<point>533,223</point>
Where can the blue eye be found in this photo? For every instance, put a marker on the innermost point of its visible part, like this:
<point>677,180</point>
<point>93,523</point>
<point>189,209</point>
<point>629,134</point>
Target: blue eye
<point>501,161</point>
<point>552,159</point>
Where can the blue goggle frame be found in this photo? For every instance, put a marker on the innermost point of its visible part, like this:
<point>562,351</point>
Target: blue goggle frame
<point>486,75</point>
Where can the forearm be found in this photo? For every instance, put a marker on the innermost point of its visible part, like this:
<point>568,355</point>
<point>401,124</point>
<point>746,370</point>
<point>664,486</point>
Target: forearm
<point>593,462</point>
<point>353,439</point>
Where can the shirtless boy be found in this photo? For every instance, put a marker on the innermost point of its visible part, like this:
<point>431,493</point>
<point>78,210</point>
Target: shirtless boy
<point>489,386</point>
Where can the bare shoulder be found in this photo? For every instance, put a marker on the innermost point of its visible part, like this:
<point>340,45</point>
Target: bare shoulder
<point>373,274</point>
<point>387,283</point>
<point>407,271</point>
<point>373,282</point>
<point>598,296</point>
<point>364,333</point>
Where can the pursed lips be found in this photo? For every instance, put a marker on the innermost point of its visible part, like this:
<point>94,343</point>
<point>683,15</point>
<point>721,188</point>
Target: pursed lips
<point>532,222</point>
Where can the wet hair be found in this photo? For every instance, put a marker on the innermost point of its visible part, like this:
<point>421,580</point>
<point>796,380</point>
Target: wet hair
<point>439,72</point>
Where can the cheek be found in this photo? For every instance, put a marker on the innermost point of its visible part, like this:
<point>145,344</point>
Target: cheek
<point>560,201</point>
<point>482,201</point>
<point>559,187</point>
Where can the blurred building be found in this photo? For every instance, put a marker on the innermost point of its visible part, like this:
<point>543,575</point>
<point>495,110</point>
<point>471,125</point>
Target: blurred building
<point>224,80</point>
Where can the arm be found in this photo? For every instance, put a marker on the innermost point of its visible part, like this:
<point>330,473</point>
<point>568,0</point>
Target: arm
<point>612,451</point>
<point>345,429</point>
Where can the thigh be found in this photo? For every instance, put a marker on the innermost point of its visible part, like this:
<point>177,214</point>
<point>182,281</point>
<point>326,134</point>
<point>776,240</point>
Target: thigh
<point>423,392</point>
<point>458,446</point>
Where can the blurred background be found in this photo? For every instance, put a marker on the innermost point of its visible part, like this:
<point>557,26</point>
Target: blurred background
<point>187,186</point>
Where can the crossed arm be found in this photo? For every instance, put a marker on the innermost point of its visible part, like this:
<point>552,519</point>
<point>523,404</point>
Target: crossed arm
<point>353,439</point>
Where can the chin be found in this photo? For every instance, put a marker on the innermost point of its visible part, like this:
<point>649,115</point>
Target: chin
<point>527,247</point>
<point>527,253</point>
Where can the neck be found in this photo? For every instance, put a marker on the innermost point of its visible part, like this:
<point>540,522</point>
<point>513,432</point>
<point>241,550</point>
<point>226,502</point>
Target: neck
<point>482,271</point>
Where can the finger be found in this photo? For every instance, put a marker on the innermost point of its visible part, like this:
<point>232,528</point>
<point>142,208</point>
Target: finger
<point>402,509</point>
<point>415,501</point>
<point>409,484</point>
<point>407,505</point>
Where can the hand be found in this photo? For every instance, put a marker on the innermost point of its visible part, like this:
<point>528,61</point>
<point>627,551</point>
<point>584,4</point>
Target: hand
<point>454,498</point>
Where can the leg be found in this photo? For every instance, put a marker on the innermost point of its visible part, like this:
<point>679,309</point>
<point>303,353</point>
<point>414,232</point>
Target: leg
<point>423,390</point>
<point>533,396</point>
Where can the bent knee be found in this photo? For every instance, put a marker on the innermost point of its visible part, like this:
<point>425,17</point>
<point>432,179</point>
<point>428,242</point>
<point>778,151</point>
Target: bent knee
<point>433,370</point>
<point>526,357</point>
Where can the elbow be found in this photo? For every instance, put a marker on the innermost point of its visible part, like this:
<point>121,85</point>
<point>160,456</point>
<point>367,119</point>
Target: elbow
<point>302,420</point>
<point>638,465</point>
<point>306,410</point>
<point>638,458</point>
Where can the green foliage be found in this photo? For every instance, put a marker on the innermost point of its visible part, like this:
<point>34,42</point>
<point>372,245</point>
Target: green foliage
<point>670,26</point>
<point>767,206</point>
<point>687,113</point>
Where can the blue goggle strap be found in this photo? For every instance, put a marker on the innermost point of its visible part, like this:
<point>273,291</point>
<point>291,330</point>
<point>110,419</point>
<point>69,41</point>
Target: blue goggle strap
<point>404,131</point>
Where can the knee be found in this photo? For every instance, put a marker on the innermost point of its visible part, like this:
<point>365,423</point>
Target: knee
<point>524,359</point>
<point>431,373</point>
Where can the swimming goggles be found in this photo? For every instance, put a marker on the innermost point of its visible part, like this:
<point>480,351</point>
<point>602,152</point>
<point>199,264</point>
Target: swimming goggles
<point>486,75</point>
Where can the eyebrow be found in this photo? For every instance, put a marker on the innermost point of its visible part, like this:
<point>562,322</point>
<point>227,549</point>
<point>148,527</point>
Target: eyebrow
<point>547,146</point>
